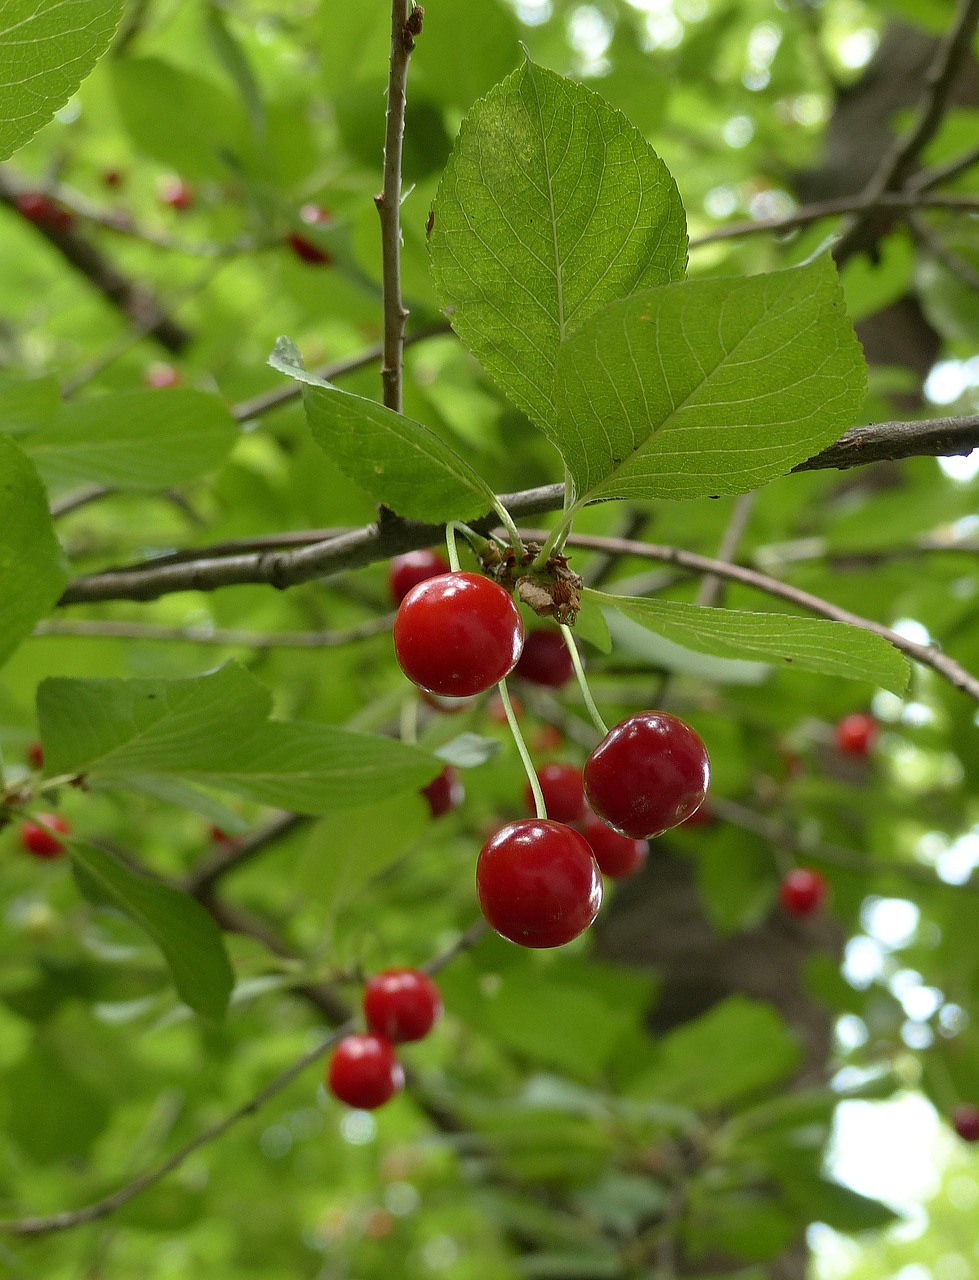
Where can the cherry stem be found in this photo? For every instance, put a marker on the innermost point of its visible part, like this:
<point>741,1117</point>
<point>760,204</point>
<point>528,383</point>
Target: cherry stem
<point>507,521</point>
<point>408,722</point>
<point>450,546</point>
<point>579,671</point>
<point>528,764</point>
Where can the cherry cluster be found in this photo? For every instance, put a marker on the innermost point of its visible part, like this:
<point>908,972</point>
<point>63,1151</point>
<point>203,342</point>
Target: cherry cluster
<point>400,1005</point>
<point>539,880</point>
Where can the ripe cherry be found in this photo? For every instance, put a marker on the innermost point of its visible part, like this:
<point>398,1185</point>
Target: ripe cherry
<point>177,194</point>
<point>162,376</point>
<point>538,883</point>
<point>965,1122</point>
<point>364,1072</point>
<point>547,738</point>
<point>413,567</point>
<point>702,817</point>
<point>35,755</point>
<point>220,836</point>
<point>113,178</point>
<point>44,211</point>
<point>545,660</point>
<point>314,215</point>
<point>802,892</point>
<point>617,856</point>
<point>308,252</point>
<point>497,711</point>
<point>402,1004</point>
<point>38,838</point>
<point>563,790</point>
<point>856,734</point>
<point>445,792</point>
<point>457,634</point>
<point>647,774</point>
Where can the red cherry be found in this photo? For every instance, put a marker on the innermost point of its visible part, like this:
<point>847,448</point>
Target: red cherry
<point>497,711</point>
<point>177,194</point>
<point>802,892</point>
<point>220,836</point>
<point>647,774</point>
<point>545,660</point>
<point>856,734</point>
<point>314,215</point>
<point>457,634</point>
<point>35,755</point>
<point>445,792</point>
<point>564,792</point>
<point>44,211</point>
<point>413,567</point>
<point>162,376</point>
<point>617,856</point>
<point>364,1072</point>
<point>306,251</point>
<point>39,840</point>
<point>113,178</point>
<point>547,738</point>
<point>538,883</point>
<point>402,1004</point>
<point>965,1122</point>
<point>702,817</point>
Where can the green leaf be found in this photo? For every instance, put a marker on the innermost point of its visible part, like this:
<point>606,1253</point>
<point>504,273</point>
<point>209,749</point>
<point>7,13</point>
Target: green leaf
<point>551,206</point>
<point>135,439</point>
<point>707,387</point>
<point>191,942</point>
<point>51,1112</point>
<point>398,461</point>
<point>632,640</point>
<point>822,1200</point>
<point>46,50</point>
<point>32,572</point>
<point>786,641</point>
<point>468,750</point>
<point>214,731</point>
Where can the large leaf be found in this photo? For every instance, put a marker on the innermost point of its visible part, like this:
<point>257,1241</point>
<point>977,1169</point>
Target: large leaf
<point>551,206</point>
<point>46,50</point>
<point>398,461</point>
<point>32,573</point>
<point>787,641</point>
<point>214,731</point>
<point>50,1111</point>
<point>135,439</point>
<point>843,1209</point>
<point>191,942</point>
<point>707,387</point>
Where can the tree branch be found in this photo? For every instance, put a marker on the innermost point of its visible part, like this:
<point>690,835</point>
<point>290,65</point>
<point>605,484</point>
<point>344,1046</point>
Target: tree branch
<point>98,628</point>
<point>224,859</point>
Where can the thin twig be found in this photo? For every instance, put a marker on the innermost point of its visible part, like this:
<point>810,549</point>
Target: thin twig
<point>710,593</point>
<point>111,628</point>
<point>954,263</point>
<point>928,179</point>
<point>224,859</point>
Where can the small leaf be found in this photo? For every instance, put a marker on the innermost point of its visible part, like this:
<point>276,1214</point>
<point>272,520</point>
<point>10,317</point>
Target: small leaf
<point>468,750</point>
<point>786,641</point>
<point>551,206</point>
<point>32,572</point>
<point>707,387</point>
<point>398,461</point>
<point>822,1200</point>
<point>191,942</point>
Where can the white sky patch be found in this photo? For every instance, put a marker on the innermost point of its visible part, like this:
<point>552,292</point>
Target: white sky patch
<point>856,49</point>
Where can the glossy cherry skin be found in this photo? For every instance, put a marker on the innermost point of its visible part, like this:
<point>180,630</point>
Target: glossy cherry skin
<point>35,755</point>
<point>308,252</point>
<point>702,817</point>
<point>364,1072</point>
<point>563,790</point>
<point>177,194</point>
<point>39,841</point>
<point>617,856</point>
<point>648,774</point>
<point>965,1122</point>
<point>457,634</point>
<point>402,1004</point>
<point>445,792</point>
<point>413,567</point>
<point>545,660</point>
<point>856,734</point>
<point>802,892</point>
<point>44,211</point>
<point>538,883</point>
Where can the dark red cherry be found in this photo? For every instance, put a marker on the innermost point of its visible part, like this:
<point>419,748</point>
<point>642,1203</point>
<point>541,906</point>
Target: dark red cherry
<point>563,790</point>
<point>445,792</point>
<point>401,1004</point>
<point>413,567</point>
<point>965,1122</point>
<point>538,883</point>
<point>545,660</point>
<point>647,774</point>
<point>856,734</point>
<point>308,252</point>
<point>364,1072</point>
<point>617,856</point>
<point>39,838</point>
<point>177,194</point>
<point>458,634</point>
<point>35,755</point>
<point>44,211</point>
<point>802,892</point>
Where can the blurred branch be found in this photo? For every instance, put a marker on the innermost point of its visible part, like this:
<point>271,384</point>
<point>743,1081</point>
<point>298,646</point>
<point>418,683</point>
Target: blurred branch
<point>215,635</point>
<point>931,244</point>
<point>710,593</point>
<point>226,858</point>
<point>928,179</point>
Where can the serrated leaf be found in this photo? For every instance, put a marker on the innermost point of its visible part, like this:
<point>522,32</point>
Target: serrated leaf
<point>786,641</point>
<point>468,750</point>
<point>551,206</point>
<point>707,387</point>
<point>397,460</point>
<point>214,731</point>
<point>46,51</point>
<point>32,571</point>
<point>135,439</point>
<point>190,941</point>
<point>633,640</point>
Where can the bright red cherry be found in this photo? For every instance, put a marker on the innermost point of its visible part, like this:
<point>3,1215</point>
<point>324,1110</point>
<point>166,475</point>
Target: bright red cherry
<point>413,567</point>
<point>538,883</point>
<point>306,251</point>
<point>162,376</point>
<point>965,1122</point>
<point>647,774</point>
<point>177,194</point>
<point>564,792</point>
<point>364,1072</point>
<point>445,792</point>
<point>856,734</point>
<point>39,839</point>
<point>44,211</point>
<point>35,755</point>
<point>545,660</point>
<point>802,892</point>
<point>617,856</point>
<point>457,634</point>
<point>402,1004</point>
